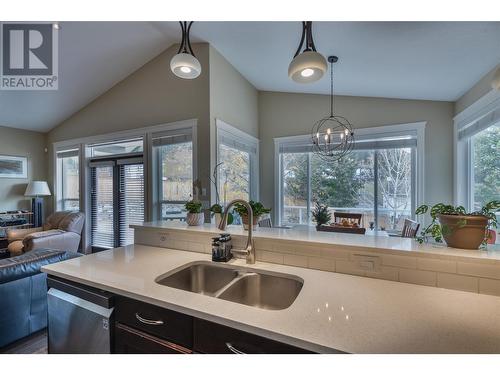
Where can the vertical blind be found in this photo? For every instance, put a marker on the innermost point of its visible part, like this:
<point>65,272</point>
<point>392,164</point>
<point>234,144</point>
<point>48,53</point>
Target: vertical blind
<point>117,200</point>
<point>131,200</point>
<point>102,206</point>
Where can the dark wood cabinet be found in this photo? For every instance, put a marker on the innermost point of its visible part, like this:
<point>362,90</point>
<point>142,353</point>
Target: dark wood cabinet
<point>157,321</point>
<point>214,338</point>
<point>144,328</point>
<point>132,341</point>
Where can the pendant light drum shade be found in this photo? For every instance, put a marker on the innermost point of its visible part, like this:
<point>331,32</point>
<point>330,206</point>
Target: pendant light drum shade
<point>185,65</point>
<point>307,67</point>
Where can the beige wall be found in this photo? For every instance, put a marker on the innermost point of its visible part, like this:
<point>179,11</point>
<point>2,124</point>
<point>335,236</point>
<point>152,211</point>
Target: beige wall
<point>233,99</point>
<point>481,88</point>
<point>17,142</point>
<point>151,95</point>
<point>286,114</point>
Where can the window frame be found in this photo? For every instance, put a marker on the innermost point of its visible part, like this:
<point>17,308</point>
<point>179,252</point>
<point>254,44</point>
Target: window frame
<point>59,190</point>
<point>416,129</point>
<point>84,169</point>
<point>463,153</point>
<point>158,200</point>
<point>223,129</point>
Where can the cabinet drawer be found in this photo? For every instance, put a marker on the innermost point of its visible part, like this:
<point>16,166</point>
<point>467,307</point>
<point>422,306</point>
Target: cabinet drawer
<point>214,338</point>
<point>166,324</point>
<point>131,341</point>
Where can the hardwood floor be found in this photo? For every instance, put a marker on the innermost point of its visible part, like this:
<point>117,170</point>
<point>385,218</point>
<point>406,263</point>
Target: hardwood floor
<point>34,344</point>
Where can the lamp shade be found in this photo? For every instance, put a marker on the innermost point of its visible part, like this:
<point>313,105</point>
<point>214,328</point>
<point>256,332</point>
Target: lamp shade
<point>307,67</point>
<point>185,65</point>
<point>37,189</point>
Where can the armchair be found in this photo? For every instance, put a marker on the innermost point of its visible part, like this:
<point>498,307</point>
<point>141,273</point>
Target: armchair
<point>62,231</point>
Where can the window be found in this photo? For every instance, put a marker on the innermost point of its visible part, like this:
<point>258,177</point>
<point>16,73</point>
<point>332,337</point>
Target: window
<point>67,180</point>
<point>485,174</point>
<point>477,168</point>
<point>117,148</point>
<point>237,155</point>
<point>377,179</point>
<point>173,154</point>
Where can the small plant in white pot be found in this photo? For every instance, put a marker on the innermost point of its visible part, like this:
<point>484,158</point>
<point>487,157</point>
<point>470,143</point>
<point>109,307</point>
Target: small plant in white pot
<point>258,210</point>
<point>218,211</point>
<point>195,216</point>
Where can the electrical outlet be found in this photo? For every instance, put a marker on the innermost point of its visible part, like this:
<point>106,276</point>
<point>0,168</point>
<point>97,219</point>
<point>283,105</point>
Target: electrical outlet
<point>368,263</point>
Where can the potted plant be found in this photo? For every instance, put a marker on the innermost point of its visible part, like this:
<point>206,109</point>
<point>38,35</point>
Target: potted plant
<point>457,227</point>
<point>194,216</point>
<point>321,215</point>
<point>258,210</point>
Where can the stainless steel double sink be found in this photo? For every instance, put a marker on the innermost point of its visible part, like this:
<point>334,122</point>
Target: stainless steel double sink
<point>251,287</point>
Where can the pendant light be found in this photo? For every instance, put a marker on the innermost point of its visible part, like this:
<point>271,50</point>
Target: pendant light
<point>308,65</point>
<point>332,137</point>
<point>185,64</point>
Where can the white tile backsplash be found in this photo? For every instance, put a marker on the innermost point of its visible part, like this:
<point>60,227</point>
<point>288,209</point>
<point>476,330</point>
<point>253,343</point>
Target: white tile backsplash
<point>462,274</point>
<point>417,277</point>
<point>459,282</point>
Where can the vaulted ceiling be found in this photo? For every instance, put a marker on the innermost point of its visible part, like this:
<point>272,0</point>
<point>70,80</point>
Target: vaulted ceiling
<point>410,60</point>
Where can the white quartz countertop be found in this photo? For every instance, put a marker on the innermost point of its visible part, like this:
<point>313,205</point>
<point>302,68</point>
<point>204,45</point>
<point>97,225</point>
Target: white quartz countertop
<point>332,312</point>
<point>309,235</point>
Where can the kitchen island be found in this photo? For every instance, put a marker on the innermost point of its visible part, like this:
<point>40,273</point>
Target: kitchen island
<point>332,313</point>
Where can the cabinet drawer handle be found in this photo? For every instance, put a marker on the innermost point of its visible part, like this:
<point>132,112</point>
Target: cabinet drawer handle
<point>233,349</point>
<point>147,321</point>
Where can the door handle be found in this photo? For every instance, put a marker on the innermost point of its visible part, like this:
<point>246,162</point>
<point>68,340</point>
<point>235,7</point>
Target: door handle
<point>148,321</point>
<point>233,349</point>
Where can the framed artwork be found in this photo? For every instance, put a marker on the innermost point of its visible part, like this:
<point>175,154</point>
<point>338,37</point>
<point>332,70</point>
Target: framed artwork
<point>13,166</point>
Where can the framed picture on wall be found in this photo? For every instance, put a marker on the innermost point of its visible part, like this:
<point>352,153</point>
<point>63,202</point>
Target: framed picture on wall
<point>13,166</point>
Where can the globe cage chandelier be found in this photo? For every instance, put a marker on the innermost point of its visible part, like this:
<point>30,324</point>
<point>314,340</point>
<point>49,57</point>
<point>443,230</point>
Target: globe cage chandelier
<point>309,65</point>
<point>332,136</point>
<point>185,64</point>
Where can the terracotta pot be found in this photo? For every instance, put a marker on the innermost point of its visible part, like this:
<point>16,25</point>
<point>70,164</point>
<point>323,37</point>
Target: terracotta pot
<point>464,236</point>
<point>195,219</point>
<point>244,220</point>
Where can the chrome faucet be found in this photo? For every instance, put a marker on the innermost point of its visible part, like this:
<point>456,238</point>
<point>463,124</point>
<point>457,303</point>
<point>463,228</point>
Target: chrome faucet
<point>250,248</point>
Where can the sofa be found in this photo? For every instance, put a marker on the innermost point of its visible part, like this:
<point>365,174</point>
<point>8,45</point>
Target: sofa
<point>23,293</point>
<point>62,231</point>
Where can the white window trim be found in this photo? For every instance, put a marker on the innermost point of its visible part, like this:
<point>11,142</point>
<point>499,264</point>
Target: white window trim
<point>418,127</point>
<point>84,171</point>
<point>462,149</point>
<point>238,135</point>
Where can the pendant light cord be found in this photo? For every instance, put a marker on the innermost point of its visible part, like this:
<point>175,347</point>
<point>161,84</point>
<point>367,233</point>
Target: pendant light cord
<point>331,89</point>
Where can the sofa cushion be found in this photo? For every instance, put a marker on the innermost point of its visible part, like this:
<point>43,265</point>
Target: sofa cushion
<point>29,264</point>
<point>53,220</point>
<point>72,222</point>
<point>45,233</point>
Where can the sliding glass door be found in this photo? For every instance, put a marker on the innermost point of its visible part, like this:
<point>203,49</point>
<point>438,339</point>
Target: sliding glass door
<point>117,200</point>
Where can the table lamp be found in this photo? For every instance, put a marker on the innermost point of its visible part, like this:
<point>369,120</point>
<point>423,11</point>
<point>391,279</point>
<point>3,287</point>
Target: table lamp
<point>37,189</point>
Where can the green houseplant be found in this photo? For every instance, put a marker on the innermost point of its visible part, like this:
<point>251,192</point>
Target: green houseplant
<point>321,215</point>
<point>457,227</point>
<point>195,216</point>
<point>258,210</point>
<point>217,210</point>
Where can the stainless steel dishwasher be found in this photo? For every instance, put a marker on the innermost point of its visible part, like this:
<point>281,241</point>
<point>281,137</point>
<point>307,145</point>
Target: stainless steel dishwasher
<point>80,318</point>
